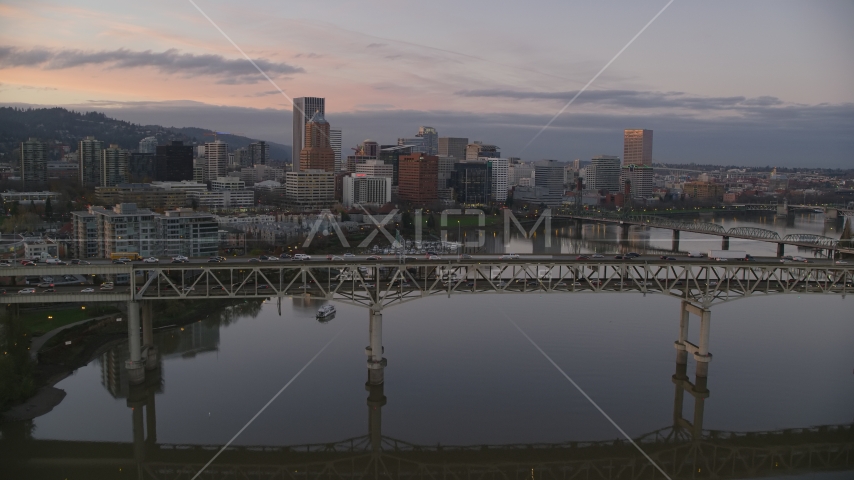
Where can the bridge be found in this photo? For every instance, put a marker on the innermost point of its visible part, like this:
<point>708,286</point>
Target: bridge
<point>381,283</point>
<point>684,449</point>
<point>832,245</point>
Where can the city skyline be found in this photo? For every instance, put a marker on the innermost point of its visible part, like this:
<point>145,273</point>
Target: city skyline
<point>729,76</point>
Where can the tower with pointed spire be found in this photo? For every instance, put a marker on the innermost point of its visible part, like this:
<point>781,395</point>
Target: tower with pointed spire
<point>317,154</point>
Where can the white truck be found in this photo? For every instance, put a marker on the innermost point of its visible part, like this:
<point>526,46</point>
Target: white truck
<point>724,255</point>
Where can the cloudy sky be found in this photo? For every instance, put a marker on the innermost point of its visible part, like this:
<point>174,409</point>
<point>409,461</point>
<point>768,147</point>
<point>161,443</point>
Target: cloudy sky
<point>728,82</point>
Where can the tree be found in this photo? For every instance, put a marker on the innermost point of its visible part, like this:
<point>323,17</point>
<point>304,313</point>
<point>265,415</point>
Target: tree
<point>48,209</point>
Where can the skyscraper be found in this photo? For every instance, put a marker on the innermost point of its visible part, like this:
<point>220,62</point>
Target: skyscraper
<point>603,173</point>
<point>89,161</point>
<point>637,147</point>
<point>33,163</point>
<point>431,139</point>
<point>317,153</point>
<point>304,108</point>
<point>500,169</point>
<point>549,174</point>
<point>174,162</point>
<point>259,152</point>
<point>216,154</point>
<point>148,145</point>
<point>335,143</point>
<point>419,178</point>
<point>478,149</point>
<point>114,166</point>
<point>453,147</point>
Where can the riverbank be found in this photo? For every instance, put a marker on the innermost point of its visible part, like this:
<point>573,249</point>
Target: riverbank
<point>75,345</point>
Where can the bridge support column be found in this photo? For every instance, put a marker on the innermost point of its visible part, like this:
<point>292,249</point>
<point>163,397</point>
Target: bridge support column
<point>138,429</point>
<point>376,401</point>
<point>675,246</point>
<point>701,351</point>
<point>624,232</point>
<point>698,389</point>
<point>149,351</point>
<point>781,249</point>
<point>724,243</point>
<point>376,362</point>
<point>134,365</point>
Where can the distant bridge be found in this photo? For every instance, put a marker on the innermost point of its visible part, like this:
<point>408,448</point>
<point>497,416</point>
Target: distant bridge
<point>707,228</point>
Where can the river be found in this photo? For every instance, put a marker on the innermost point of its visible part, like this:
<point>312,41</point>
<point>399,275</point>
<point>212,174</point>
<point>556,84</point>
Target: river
<point>460,373</point>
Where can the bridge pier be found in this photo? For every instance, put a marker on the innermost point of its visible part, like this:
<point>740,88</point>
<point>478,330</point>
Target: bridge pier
<point>675,246</point>
<point>725,243</point>
<point>781,249</point>
<point>701,351</point>
<point>698,389</point>
<point>376,401</point>
<point>376,362</point>
<point>624,232</point>
<point>149,351</point>
<point>135,366</point>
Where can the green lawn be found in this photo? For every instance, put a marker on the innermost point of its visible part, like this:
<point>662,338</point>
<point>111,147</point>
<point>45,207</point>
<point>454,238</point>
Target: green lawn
<point>43,321</point>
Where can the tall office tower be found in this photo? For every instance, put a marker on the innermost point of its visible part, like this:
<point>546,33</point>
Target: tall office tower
<point>114,166</point>
<point>317,153</point>
<point>33,163</point>
<point>390,155</point>
<point>472,183</point>
<point>259,153</point>
<point>500,169</point>
<point>304,108</point>
<point>639,178</point>
<point>603,173</point>
<point>446,166</point>
<point>637,147</point>
<point>335,143</point>
<point>576,164</point>
<point>148,145</point>
<point>478,149</point>
<point>174,162</point>
<point>216,154</point>
<point>370,148</point>
<point>549,174</point>
<point>453,147</point>
<point>419,178</point>
<point>89,161</point>
<point>431,139</point>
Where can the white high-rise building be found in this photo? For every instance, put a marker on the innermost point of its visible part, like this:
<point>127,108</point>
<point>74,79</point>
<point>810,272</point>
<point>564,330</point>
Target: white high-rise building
<point>375,168</point>
<point>603,173</point>
<point>361,189</point>
<point>216,154</point>
<point>335,141</point>
<point>304,108</point>
<point>500,167</point>
<point>148,145</point>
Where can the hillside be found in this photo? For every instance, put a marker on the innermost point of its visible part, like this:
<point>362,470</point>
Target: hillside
<point>68,127</point>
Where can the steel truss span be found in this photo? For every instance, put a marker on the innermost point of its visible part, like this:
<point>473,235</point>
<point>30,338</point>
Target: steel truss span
<point>385,283</point>
<point>713,455</point>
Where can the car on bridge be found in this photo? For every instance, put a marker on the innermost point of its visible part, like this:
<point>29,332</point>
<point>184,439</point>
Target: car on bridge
<point>49,290</point>
<point>27,290</point>
<point>374,258</point>
<point>301,257</point>
<point>433,257</point>
<point>151,260</point>
<point>87,290</point>
<point>509,256</point>
<point>597,256</point>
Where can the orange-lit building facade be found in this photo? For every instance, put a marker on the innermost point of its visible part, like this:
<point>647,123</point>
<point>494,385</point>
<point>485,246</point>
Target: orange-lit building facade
<point>317,153</point>
<point>418,178</point>
<point>637,147</point>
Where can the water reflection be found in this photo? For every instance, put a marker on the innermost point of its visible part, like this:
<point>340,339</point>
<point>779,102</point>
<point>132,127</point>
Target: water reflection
<point>683,449</point>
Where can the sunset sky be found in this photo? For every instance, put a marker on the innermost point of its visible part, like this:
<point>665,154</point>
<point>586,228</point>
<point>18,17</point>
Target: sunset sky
<point>760,82</point>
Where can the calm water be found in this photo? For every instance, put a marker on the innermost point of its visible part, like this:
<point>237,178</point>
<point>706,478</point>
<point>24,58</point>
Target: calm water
<point>460,373</point>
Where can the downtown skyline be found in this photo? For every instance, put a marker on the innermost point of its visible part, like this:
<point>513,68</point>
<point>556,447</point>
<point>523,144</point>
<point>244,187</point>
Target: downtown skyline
<point>759,84</point>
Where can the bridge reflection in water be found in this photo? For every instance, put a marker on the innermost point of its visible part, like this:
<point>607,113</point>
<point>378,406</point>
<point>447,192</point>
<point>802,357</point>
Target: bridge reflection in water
<point>683,449</point>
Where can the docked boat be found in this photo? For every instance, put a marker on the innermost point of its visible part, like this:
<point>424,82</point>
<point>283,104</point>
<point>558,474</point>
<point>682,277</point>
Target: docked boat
<point>326,311</point>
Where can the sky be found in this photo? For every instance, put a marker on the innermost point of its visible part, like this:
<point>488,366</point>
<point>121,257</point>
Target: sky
<point>727,82</point>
